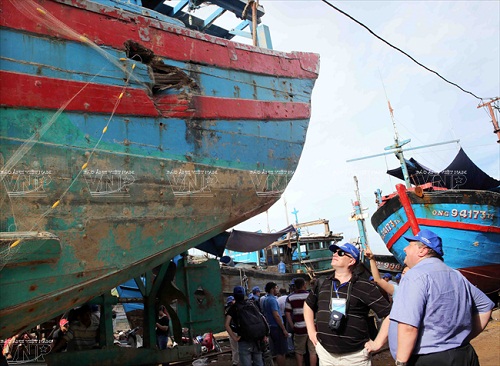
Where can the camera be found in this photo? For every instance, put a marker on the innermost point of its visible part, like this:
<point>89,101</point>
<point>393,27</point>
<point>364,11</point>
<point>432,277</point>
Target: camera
<point>336,320</point>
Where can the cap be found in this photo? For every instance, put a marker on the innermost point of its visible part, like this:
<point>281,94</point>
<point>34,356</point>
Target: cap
<point>229,299</point>
<point>371,278</point>
<point>398,276</point>
<point>348,248</point>
<point>63,322</point>
<point>256,289</point>
<point>429,239</point>
<point>292,282</point>
<point>387,275</point>
<point>238,290</point>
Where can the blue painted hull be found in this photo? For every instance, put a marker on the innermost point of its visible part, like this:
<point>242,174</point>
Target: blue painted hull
<point>123,162</point>
<point>467,221</point>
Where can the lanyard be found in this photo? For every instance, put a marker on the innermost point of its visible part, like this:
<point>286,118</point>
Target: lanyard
<point>348,298</point>
<point>337,289</point>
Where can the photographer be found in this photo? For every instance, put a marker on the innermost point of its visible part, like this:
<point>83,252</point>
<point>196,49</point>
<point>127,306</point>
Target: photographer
<point>341,304</point>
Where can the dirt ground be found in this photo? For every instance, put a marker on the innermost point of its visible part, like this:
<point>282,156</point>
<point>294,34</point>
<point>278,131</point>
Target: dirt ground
<point>487,346</point>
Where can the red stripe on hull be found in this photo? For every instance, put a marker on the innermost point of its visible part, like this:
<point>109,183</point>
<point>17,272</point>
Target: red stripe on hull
<point>446,224</point>
<point>397,235</point>
<point>460,226</point>
<point>487,277</point>
<point>27,91</point>
<point>164,40</point>
<point>219,108</point>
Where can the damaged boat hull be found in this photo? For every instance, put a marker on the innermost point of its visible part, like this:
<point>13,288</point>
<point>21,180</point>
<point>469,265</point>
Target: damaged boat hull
<point>125,141</point>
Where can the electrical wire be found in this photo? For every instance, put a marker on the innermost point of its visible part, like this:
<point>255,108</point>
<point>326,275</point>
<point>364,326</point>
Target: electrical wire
<point>398,49</point>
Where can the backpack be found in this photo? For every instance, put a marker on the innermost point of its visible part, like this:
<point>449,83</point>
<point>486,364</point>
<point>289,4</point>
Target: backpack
<point>250,322</point>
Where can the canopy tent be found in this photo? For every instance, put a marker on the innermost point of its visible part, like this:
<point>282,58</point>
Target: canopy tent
<point>462,173</point>
<point>419,174</point>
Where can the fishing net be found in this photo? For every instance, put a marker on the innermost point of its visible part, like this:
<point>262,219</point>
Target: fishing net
<point>18,230</point>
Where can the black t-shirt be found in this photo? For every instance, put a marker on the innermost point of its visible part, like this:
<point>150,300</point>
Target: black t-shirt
<point>232,324</point>
<point>162,321</point>
<point>354,334</point>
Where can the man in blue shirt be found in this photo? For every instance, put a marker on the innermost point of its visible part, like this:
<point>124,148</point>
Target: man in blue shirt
<point>278,331</point>
<point>437,311</point>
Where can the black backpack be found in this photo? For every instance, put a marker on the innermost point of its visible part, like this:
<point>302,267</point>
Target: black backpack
<point>250,322</point>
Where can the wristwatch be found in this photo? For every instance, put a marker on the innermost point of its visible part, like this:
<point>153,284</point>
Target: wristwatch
<point>400,363</point>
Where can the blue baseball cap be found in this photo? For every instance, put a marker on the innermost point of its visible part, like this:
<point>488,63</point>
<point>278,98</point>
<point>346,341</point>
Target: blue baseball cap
<point>348,248</point>
<point>387,275</point>
<point>238,290</point>
<point>430,239</point>
<point>256,289</point>
<point>371,278</point>
<point>398,276</point>
<point>229,299</point>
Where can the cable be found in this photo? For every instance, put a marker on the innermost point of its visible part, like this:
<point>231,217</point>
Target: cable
<point>403,52</point>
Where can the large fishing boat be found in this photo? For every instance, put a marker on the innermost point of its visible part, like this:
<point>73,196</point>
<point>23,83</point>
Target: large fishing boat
<point>127,137</point>
<point>461,204</point>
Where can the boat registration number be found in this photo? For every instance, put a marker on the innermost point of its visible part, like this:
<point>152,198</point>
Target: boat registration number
<point>470,214</point>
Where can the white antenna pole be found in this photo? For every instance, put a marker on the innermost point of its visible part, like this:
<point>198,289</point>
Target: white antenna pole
<point>286,211</point>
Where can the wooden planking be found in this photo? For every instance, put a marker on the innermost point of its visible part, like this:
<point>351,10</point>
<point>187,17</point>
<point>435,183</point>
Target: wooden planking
<point>101,26</point>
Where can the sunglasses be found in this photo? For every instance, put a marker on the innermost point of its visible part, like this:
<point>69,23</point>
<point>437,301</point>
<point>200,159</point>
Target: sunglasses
<point>341,253</point>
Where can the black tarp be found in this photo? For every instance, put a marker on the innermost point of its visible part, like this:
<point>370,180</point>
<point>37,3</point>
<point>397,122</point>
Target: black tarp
<point>462,173</point>
<point>419,174</point>
<point>241,241</point>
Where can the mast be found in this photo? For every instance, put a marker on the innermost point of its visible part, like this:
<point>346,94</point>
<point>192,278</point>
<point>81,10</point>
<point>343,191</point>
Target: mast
<point>397,149</point>
<point>359,216</point>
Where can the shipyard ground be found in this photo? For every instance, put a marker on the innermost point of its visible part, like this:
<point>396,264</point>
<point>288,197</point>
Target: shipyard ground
<point>486,346</point>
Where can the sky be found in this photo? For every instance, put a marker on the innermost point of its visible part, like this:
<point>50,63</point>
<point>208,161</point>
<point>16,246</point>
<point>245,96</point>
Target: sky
<point>350,118</point>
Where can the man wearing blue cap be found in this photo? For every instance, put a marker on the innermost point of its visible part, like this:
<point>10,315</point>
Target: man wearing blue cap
<point>341,304</point>
<point>437,311</point>
<point>255,296</point>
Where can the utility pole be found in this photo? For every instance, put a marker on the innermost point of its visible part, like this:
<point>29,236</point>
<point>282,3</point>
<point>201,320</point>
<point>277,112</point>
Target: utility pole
<point>496,129</point>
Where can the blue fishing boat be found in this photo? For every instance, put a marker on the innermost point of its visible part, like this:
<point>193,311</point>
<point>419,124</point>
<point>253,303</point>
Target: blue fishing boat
<point>130,132</point>
<point>461,204</point>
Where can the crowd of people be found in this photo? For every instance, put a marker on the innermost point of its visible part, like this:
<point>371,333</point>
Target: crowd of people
<point>428,314</point>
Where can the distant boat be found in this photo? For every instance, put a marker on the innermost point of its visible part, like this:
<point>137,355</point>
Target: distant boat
<point>126,138</point>
<point>461,204</point>
<point>302,254</point>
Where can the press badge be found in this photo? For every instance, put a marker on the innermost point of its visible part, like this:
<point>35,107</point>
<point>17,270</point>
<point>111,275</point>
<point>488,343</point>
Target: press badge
<point>338,305</point>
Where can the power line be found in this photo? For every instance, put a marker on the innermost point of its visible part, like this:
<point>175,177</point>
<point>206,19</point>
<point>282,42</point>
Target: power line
<point>398,49</point>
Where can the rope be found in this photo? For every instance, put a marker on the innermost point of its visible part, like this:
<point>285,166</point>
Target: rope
<point>40,14</point>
